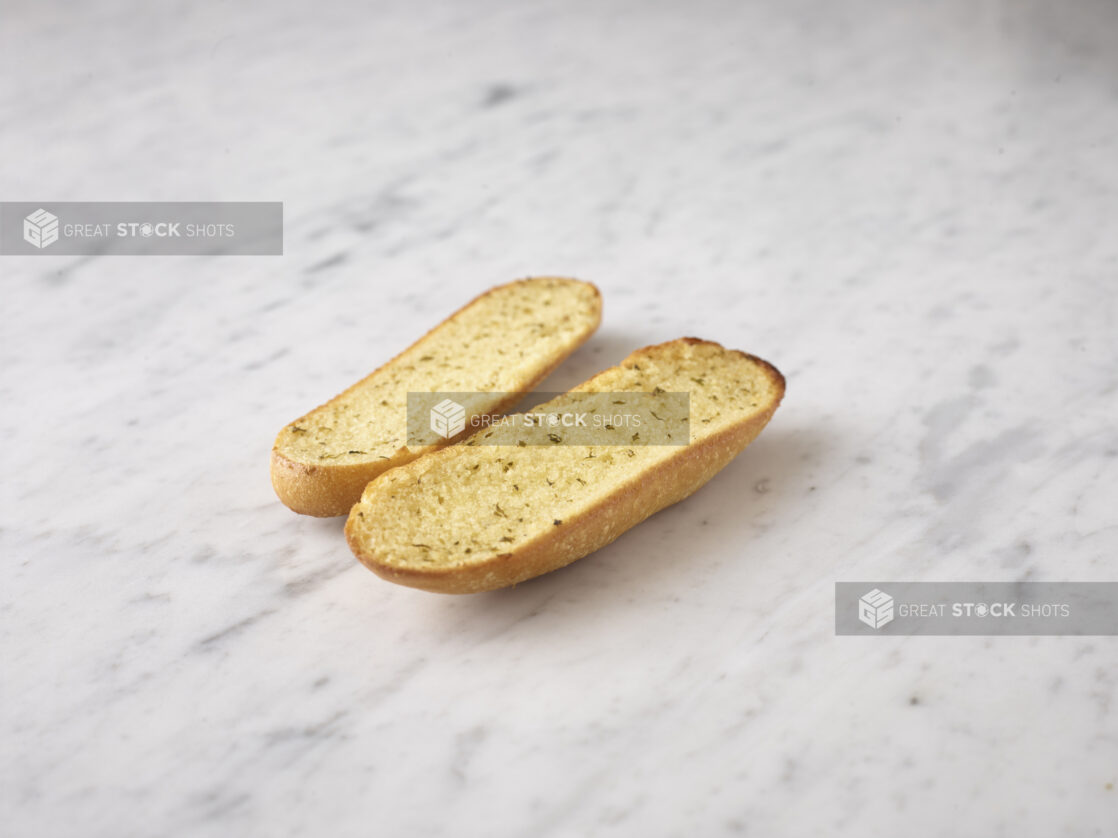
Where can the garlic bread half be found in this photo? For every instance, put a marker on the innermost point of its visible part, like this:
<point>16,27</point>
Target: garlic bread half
<point>479,516</point>
<point>504,342</point>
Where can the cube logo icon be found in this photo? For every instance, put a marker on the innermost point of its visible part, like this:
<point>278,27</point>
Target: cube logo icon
<point>40,228</point>
<point>448,418</point>
<point>875,609</point>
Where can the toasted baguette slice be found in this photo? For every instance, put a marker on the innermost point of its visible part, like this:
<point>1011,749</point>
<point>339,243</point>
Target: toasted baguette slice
<point>504,342</point>
<point>476,516</point>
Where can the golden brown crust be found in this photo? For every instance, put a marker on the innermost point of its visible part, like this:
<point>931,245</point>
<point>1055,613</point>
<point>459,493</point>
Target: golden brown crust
<point>670,481</point>
<point>322,491</point>
<point>325,491</point>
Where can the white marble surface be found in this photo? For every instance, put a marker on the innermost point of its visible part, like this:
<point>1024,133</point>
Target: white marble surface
<point>910,208</point>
